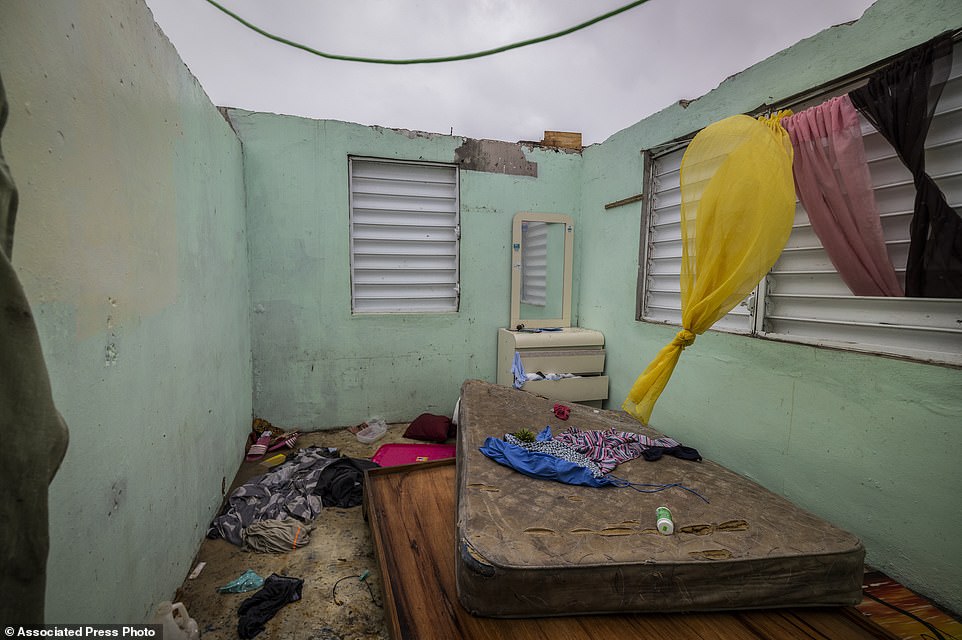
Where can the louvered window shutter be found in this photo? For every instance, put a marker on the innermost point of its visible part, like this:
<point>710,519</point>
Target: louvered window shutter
<point>662,289</point>
<point>404,236</point>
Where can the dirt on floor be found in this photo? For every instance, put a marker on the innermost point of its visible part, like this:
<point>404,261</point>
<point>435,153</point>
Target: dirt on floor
<point>339,549</point>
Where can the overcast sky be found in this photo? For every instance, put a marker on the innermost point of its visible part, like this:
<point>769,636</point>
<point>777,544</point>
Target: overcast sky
<point>596,81</point>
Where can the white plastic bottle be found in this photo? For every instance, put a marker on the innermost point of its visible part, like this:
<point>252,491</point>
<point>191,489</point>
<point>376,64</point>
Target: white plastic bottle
<point>178,625</point>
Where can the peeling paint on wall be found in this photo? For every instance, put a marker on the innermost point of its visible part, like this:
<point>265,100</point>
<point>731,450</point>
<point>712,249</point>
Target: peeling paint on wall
<point>110,355</point>
<point>494,156</point>
<point>412,133</point>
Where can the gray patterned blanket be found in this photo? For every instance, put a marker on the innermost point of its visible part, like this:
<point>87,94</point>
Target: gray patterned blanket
<point>287,491</point>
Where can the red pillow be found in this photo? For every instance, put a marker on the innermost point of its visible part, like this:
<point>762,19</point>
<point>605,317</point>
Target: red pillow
<point>429,427</point>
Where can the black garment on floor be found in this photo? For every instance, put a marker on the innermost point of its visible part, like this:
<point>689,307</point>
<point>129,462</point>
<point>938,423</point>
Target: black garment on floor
<point>685,453</point>
<point>341,483</point>
<point>263,605</point>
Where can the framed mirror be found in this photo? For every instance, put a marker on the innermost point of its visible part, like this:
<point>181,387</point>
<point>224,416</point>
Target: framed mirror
<point>542,248</point>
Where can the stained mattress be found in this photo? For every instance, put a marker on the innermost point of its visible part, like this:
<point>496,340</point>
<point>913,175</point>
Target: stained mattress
<point>530,547</point>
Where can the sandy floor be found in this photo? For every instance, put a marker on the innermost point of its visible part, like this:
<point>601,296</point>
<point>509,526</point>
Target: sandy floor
<point>340,546</point>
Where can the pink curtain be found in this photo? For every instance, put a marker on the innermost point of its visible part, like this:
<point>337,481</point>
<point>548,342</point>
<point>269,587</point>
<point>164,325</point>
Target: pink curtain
<point>834,186</point>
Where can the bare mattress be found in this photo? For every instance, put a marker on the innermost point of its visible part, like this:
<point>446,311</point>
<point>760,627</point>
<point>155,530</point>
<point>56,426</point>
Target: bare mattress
<point>530,547</point>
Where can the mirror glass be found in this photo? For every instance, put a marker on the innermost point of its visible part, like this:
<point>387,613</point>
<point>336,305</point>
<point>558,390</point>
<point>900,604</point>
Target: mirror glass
<point>541,253</point>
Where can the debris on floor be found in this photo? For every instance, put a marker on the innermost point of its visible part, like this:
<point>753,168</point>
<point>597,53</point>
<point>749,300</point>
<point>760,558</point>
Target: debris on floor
<point>256,611</point>
<point>340,546</point>
<point>247,581</point>
<point>370,431</point>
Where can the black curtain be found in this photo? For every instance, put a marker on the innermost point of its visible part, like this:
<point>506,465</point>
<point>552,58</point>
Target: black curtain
<point>900,101</point>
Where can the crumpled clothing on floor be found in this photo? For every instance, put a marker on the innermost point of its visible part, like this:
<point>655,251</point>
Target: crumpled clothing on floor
<point>254,612</point>
<point>287,491</point>
<point>247,581</point>
<point>276,536</point>
<point>342,483</point>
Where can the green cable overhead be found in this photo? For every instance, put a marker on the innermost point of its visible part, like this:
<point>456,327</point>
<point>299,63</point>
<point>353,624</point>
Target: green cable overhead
<point>454,58</point>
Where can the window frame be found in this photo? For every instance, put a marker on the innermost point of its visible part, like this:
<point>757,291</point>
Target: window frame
<point>418,305</point>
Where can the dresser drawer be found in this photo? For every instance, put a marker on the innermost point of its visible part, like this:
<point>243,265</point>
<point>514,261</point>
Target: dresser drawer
<point>577,361</point>
<point>572,389</point>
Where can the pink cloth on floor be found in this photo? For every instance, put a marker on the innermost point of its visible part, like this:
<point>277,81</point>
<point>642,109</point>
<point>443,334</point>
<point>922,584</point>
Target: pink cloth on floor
<point>391,455</point>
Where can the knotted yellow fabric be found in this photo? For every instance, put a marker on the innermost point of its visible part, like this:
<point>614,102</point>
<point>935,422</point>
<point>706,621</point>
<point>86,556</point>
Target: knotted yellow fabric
<point>737,208</point>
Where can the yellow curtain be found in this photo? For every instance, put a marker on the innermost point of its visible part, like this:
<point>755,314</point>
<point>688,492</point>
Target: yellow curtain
<point>737,207</point>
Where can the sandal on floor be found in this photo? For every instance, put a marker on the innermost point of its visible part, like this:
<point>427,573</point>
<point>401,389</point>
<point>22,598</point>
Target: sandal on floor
<point>288,440</point>
<point>259,448</point>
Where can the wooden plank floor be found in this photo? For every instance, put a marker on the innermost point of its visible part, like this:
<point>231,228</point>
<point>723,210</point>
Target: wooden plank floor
<point>411,513</point>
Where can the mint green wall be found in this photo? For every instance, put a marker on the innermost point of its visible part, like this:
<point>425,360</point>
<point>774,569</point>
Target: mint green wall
<point>870,443</point>
<point>130,243</point>
<point>315,364</point>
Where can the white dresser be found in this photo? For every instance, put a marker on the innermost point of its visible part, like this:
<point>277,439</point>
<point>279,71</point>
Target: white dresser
<point>569,350</point>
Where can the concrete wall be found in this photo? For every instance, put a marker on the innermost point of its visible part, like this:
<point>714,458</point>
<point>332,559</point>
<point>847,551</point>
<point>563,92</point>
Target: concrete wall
<point>315,364</point>
<point>131,246</point>
<point>868,442</point>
